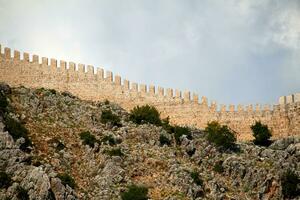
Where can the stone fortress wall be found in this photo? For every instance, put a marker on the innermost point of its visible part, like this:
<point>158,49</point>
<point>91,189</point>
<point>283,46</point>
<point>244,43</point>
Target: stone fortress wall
<point>95,84</point>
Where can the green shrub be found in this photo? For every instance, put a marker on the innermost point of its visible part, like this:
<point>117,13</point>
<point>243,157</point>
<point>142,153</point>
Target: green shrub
<point>22,194</point>
<point>289,183</point>
<point>221,136</point>
<point>166,125</point>
<point>218,167</point>
<point>88,139</point>
<point>180,131</point>
<point>17,130</point>
<point>51,195</point>
<point>108,117</point>
<point>261,133</point>
<point>196,178</point>
<point>114,152</point>
<point>164,140</point>
<point>106,102</point>
<point>110,139</point>
<point>66,179</point>
<point>145,114</point>
<point>60,146</point>
<point>5,180</point>
<point>3,102</point>
<point>135,192</point>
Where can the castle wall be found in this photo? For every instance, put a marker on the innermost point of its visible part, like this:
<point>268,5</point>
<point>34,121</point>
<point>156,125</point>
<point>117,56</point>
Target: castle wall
<point>183,108</point>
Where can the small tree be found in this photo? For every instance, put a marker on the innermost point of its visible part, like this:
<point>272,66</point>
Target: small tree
<point>145,114</point>
<point>261,133</point>
<point>221,136</point>
<point>135,192</point>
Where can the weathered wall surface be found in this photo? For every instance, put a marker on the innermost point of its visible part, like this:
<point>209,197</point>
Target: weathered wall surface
<point>92,83</point>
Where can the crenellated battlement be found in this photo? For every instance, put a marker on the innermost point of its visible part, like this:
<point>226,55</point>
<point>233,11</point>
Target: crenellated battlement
<point>183,107</point>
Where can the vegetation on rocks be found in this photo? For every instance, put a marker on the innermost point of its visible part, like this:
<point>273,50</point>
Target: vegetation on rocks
<point>22,194</point>
<point>17,130</point>
<point>66,179</point>
<point>109,139</point>
<point>108,117</point>
<point>145,114</point>
<point>3,102</point>
<point>261,133</point>
<point>164,140</point>
<point>218,167</point>
<point>135,192</point>
<point>114,152</point>
<point>181,171</point>
<point>88,139</point>
<point>221,136</point>
<point>180,131</point>
<point>196,178</point>
<point>5,180</point>
<point>290,183</point>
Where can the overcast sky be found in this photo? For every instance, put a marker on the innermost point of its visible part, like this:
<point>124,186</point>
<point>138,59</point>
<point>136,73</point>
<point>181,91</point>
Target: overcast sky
<point>228,50</point>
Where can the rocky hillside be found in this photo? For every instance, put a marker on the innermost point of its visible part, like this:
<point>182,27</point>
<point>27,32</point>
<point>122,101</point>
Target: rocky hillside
<point>66,150</point>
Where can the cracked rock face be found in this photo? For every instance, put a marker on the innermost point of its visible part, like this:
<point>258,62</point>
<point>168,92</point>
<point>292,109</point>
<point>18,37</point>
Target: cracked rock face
<point>55,120</point>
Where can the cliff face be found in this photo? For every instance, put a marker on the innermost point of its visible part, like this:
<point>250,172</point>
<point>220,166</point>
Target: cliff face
<point>127,154</point>
<point>182,107</point>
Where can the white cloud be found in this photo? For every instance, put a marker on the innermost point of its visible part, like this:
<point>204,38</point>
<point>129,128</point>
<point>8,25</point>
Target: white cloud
<point>232,51</point>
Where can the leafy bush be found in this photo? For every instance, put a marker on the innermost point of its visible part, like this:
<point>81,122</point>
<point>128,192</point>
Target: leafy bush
<point>88,139</point>
<point>66,179</point>
<point>135,192</point>
<point>106,102</point>
<point>145,114</point>
<point>110,139</point>
<point>166,125</point>
<point>180,131</point>
<point>17,130</point>
<point>218,167</point>
<point>196,178</point>
<point>5,180</point>
<point>108,117</point>
<point>221,136</point>
<point>3,102</point>
<point>164,140</point>
<point>289,183</point>
<point>261,133</point>
<point>114,152</point>
<point>22,194</point>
